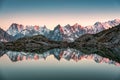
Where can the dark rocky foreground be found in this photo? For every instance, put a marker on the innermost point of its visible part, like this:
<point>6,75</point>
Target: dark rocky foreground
<point>105,43</point>
<point>37,43</point>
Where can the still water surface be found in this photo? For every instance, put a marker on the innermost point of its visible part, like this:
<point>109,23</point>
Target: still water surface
<point>57,64</point>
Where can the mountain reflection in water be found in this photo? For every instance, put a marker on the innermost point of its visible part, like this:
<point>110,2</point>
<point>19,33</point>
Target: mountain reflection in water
<point>67,54</point>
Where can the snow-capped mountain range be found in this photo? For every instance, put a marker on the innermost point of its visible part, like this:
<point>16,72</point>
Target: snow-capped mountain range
<point>70,33</point>
<point>19,31</point>
<point>67,33</point>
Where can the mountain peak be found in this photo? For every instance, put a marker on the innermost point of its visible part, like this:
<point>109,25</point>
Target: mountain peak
<point>15,28</point>
<point>67,25</point>
<point>36,27</point>
<point>44,26</point>
<point>76,24</point>
<point>97,23</point>
<point>58,27</point>
<point>118,20</point>
<point>19,27</point>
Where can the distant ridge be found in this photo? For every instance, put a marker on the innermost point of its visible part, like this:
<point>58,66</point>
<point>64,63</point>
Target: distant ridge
<point>67,33</point>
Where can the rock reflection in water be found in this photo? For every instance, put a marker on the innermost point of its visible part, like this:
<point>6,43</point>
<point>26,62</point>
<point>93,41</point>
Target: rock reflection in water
<point>67,54</point>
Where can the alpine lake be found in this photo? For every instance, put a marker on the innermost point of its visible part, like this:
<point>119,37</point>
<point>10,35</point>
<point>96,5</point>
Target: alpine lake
<point>57,64</point>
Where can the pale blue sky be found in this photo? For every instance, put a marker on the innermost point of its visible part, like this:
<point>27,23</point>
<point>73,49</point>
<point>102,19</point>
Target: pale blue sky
<point>41,12</point>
